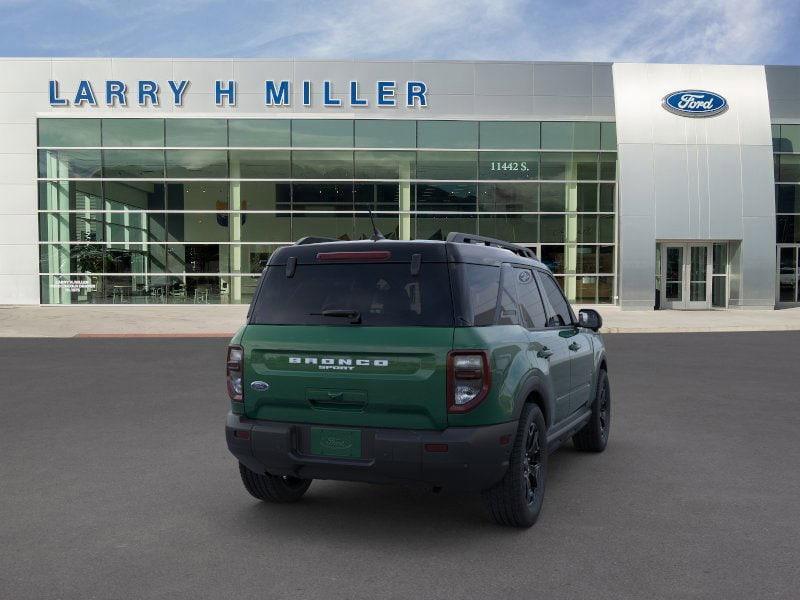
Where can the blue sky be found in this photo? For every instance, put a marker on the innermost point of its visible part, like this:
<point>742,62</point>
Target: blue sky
<point>711,31</point>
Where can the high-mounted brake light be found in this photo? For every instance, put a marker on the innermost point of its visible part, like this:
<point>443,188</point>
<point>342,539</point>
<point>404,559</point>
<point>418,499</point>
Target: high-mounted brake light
<point>468,379</point>
<point>367,255</point>
<point>234,369</point>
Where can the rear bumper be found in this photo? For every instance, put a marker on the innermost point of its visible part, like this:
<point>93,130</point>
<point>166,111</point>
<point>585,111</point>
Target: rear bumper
<point>476,457</point>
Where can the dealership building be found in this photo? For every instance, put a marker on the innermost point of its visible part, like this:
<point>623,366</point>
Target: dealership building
<point>162,181</point>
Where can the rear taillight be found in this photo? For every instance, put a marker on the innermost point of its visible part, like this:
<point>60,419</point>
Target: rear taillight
<point>235,372</point>
<point>468,379</point>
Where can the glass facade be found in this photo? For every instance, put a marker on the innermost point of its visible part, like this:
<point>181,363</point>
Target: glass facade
<point>188,210</point>
<point>786,148</point>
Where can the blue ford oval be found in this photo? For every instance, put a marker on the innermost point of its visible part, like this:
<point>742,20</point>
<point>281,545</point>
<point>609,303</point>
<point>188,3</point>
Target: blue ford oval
<point>695,103</point>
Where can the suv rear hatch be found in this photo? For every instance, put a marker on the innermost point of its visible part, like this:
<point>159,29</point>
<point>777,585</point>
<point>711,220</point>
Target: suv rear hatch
<point>350,338</point>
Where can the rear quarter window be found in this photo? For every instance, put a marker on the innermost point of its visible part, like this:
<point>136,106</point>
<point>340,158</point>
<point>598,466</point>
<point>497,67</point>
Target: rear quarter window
<point>383,294</point>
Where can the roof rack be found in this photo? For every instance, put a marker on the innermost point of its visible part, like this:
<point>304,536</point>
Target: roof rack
<point>469,238</point>
<point>310,239</point>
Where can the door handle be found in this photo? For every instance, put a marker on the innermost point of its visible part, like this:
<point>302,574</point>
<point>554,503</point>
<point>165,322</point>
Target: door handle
<point>545,352</point>
<point>574,346</point>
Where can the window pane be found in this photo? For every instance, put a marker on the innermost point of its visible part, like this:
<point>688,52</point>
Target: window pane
<point>552,228</point>
<point>62,164</point>
<point>606,259</point>
<point>266,227</point>
<point>587,136</point>
<point>197,163</point>
<point>480,284</point>
<point>509,134</point>
<point>587,259</point>
<point>557,135</point>
<point>264,195</point>
<point>608,136</point>
<point>790,138</point>
<point>788,229</point>
<point>586,289</point>
<point>322,133</point>
<point>260,164</point>
<point>438,227</point>
<point>446,197</point>
<point>553,197</point>
<point>509,197</point>
<point>273,133</point>
<point>787,198</point>
<point>550,288</point>
<point>517,228</point>
<point>196,258</point>
<point>587,229</point>
<point>322,164</point>
<point>133,164</point>
<point>530,300</point>
<point>509,165</point>
<point>198,195</point>
<point>605,229</point>
<point>509,306</point>
<point>447,165</point>
<point>720,263</point>
<point>196,132</point>
<point>447,134</point>
<point>380,196</point>
<point>71,227</point>
<point>587,197</point>
<point>556,165</point>
<point>379,133</point>
<point>385,165</point>
<point>322,197</point>
<point>608,166</point>
<point>585,166</point>
<point>197,227</point>
<point>606,197</point>
<point>70,195</point>
<point>132,195</point>
<point>553,258</point>
<point>69,132</point>
<point>133,132</point>
<point>789,168</point>
<point>605,290</point>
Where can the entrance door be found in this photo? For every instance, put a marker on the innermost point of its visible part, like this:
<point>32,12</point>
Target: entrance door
<point>686,276</point>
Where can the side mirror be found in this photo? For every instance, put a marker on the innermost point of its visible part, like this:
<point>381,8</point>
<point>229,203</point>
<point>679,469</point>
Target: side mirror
<point>590,319</point>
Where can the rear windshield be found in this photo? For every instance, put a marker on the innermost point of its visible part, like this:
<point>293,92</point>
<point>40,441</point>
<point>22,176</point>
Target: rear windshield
<point>385,295</point>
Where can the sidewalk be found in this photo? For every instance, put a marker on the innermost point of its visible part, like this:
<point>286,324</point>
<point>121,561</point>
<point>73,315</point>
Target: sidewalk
<point>222,321</point>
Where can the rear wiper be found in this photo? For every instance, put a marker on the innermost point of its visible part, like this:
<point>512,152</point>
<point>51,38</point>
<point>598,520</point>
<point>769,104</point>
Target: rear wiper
<point>346,313</point>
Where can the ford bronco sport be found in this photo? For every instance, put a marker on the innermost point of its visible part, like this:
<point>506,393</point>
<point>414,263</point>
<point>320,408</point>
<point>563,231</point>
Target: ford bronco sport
<point>454,363</point>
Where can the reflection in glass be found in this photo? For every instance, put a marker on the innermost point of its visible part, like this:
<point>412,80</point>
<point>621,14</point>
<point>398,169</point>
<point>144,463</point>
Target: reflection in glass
<point>322,164</point>
<point>260,164</point>
<point>509,197</point>
<point>259,133</point>
<point>132,164</point>
<point>322,133</point>
<point>509,134</point>
<point>384,133</point>
<point>64,164</point>
<point>65,133</point>
<point>447,134</point>
<point>197,164</point>
<point>133,132</point>
<point>447,165</point>
<point>198,133</point>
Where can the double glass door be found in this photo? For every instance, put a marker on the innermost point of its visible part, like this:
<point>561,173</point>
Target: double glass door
<point>686,275</point>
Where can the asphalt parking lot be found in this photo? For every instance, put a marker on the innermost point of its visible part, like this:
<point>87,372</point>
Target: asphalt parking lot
<point>115,482</point>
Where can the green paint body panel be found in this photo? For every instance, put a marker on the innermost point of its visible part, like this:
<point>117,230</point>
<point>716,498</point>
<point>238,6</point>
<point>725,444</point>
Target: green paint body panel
<point>348,375</point>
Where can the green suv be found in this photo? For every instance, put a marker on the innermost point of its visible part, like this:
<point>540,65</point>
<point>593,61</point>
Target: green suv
<point>456,364</point>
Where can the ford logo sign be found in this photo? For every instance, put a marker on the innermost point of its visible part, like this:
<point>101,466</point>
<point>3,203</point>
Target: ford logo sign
<point>695,103</point>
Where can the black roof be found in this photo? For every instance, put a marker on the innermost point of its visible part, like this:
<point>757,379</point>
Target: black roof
<point>458,248</point>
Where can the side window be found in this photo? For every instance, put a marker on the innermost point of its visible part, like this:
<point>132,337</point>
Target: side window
<point>530,301</point>
<point>481,284</point>
<point>507,302</point>
<point>563,314</point>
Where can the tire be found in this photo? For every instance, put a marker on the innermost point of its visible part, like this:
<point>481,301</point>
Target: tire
<point>594,435</point>
<point>516,500</point>
<point>272,488</point>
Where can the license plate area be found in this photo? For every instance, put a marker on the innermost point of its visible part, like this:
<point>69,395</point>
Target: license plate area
<point>335,442</point>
